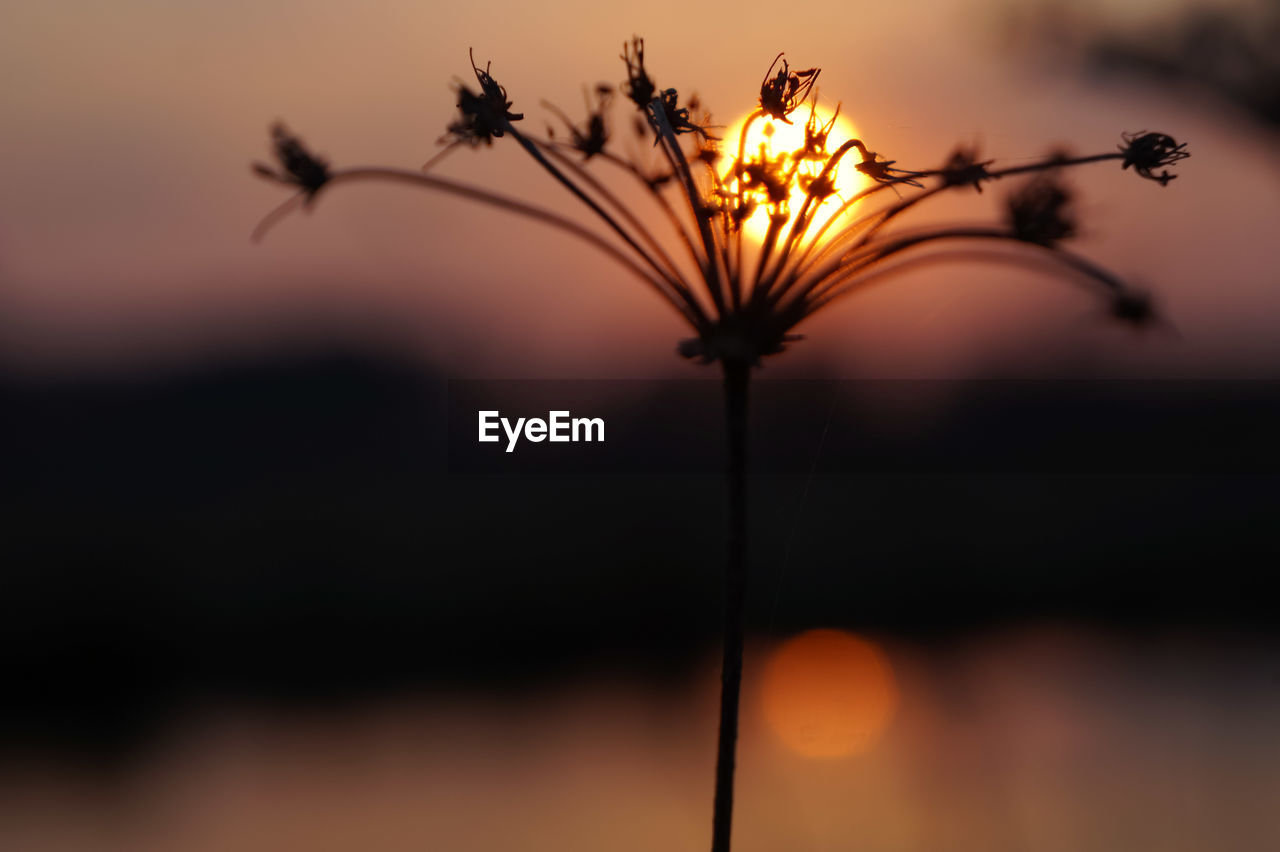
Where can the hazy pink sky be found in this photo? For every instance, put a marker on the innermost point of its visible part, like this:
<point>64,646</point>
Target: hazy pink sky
<point>126,199</point>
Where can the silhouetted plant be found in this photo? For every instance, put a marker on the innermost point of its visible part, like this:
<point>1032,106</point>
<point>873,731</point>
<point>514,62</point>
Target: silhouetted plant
<point>743,304</point>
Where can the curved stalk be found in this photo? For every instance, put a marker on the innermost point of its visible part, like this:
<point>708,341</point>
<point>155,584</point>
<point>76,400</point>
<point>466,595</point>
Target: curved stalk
<point>852,279</point>
<point>742,150</point>
<point>533,151</point>
<point>886,215</point>
<point>802,221</point>
<point>656,193</point>
<point>800,262</point>
<point>1043,263</point>
<point>671,147</point>
<point>520,208</point>
<point>672,272</point>
<point>277,213</point>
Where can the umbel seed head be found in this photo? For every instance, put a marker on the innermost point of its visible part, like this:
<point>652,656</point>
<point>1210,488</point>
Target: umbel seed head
<point>298,166</point>
<point>1040,212</point>
<point>1147,152</point>
<point>782,92</point>
<point>485,116</point>
<point>744,303</point>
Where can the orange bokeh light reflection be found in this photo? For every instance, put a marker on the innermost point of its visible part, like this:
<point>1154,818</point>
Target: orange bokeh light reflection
<point>828,694</point>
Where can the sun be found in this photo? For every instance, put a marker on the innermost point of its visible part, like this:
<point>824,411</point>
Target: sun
<point>779,138</point>
<point>828,693</point>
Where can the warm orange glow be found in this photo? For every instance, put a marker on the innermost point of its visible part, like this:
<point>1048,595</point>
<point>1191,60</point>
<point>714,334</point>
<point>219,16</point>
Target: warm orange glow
<point>779,138</point>
<point>828,693</point>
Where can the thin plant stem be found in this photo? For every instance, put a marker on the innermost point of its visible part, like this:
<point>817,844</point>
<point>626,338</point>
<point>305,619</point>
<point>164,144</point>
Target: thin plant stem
<point>742,148</point>
<point>533,151</point>
<point>800,265</point>
<point>1045,262</point>
<point>737,378</point>
<point>673,272</point>
<point>448,149</point>
<point>675,299</point>
<point>853,278</point>
<point>841,279</point>
<point>283,209</point>
<point>770,240</point>
<point>671,146</point>
<point>802,220</point>
<point>656,194</point>
<point>878,219</point>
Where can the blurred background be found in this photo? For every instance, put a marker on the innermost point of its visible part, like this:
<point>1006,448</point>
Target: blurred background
<point>249,599</point>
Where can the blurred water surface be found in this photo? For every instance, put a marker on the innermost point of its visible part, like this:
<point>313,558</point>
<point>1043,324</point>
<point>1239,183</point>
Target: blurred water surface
<point>1046,737</point>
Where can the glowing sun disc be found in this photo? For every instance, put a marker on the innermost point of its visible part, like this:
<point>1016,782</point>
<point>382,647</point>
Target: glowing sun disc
<point>828,693</point>
<point>780,138</point>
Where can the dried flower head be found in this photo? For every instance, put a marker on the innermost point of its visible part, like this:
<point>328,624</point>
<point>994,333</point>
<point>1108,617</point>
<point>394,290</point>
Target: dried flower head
<point>816,134</point>
<point>639,86</point>
<point>677,117</point>
<point>738,207</point>
<point>1039,211</point>
<point>820,186</point>
<point>782,92</point>
<point>589,139</point>
<point>709,151</point>
<point>1134,308</point>
<point>769,178</point>
<point>1147,152</point>
<point>965,169</point>
<point>744,301</point>
<point>483,117</point>
<point>882,171</point>
<point>298,166</point>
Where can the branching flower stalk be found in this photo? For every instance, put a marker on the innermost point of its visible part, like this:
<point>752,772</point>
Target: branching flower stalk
<point>742,301</point>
